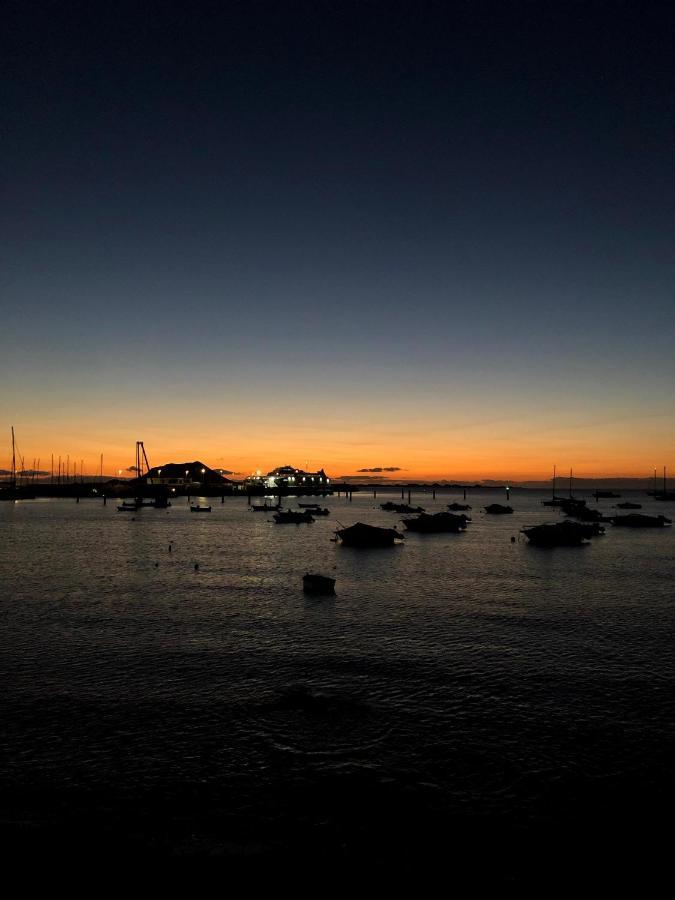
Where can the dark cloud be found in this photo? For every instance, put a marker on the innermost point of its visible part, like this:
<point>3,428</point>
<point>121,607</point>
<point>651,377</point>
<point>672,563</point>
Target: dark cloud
<point>382,469</point>
<point>132,469</point>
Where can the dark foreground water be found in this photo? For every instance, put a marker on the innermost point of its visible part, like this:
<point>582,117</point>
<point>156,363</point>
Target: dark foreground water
<point>463,704</point>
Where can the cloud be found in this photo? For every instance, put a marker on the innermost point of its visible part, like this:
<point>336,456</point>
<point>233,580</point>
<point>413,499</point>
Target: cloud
<point>382,469</point>
<point>132,469</point>
<point>361,479</point>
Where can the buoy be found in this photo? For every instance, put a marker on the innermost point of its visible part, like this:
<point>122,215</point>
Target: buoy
<point>513,540</point>
<point>196,566</point>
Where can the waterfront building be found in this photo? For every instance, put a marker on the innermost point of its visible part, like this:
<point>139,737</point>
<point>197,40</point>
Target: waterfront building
<point>288,477</point>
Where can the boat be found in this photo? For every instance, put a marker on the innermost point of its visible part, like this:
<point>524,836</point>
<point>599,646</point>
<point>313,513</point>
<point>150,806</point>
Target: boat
<point>628,505</point>
<point>458,507</point>
<point>585,514</point>
<point>265,508</point>
<point>636,520</point>
<point>441,522</point>
<point>605,495</point>
<point>200,508</point>
<point>319,511</point>
<point>309,505</point>
<point>318,584</point>
<point>665,494</point>
<point>16,491</point>
<point>561,534</point>
<point>555,500</point>
<point>497,509</point>
<point>367,536</point>
<point>161,503</point>
<point>401,508</point>
<point>293,517</point>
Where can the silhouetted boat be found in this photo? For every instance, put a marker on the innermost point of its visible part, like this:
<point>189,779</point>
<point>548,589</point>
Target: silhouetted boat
<point>605,495</point>
<point>319,511</point>
<point>585,514</point>
<point>200,509</point>
<point>562,534</point>
<point>496,509</point>
<point>664,494</point>
<point>293,517</point>
<point>401,508</point>
<point>365,536</point>
<point>636,520</point>
<point>458,507</point>
<point>554,501</point>
<point>438,523</point>
<point>309,505</point>
<point>265,508</point>
<point>161,502</point>
<point>628,505</point>
<point>318,584</point>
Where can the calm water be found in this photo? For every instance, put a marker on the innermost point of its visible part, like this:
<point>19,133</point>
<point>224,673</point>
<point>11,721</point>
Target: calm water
<point>460,691</point>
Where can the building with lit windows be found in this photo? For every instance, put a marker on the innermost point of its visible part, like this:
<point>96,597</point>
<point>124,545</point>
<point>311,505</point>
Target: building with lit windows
<point>287,477</point>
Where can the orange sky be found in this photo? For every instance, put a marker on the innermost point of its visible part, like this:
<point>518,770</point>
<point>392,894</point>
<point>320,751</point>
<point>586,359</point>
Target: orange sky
<point>504,450</point>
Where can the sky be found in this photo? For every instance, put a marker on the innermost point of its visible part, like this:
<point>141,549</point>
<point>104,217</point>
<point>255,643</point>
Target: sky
<point>430,236</point>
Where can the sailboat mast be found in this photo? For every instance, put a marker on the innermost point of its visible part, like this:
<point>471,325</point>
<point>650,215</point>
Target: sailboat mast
<point>570,482</point>
<point>553,494</point>
<point>13,460</point>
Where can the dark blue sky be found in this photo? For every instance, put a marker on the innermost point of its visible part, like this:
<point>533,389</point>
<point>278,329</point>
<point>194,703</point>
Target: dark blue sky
<point>400,204</point>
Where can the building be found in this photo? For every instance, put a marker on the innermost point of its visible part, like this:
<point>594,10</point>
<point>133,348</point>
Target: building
<point>288,477</point>
<point>184,475</point>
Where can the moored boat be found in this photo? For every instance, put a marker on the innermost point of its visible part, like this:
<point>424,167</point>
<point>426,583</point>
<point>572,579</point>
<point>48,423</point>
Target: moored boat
<point>401,507</point>
<point>293,517</point>
<point>637,520</point>
<point>438,523</point>
<point>628,505</point>
<point>200,509</point>
<point>318,584</point>
<point>497,509</point>
<point>458,507</point>
<point>367,536</point>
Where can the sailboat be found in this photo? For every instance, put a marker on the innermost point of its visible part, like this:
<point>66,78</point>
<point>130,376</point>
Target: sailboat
<point>554,501</point>
<point>665,494</point>
<point>14,491</point>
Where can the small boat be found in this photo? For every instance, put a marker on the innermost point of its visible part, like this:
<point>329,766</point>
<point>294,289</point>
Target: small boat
<point>586,514</point>
<point>368,536</point>
<point>401,508</point>
<point>265,508</point>
<point>161,503</point>
<point>497,509</point>
<point>628,505</point>
<point>318,584</point>
<point>308,505</point>
<point>605,495</point>
<point>200,508</point>
<point>561,534</point>
<point>558,535</point>
<point>127,507</point>
<point>438,523</point>
<point>458,507</point>
<point>293,517</point>
<point>319,511</point>
<point>636,520</point>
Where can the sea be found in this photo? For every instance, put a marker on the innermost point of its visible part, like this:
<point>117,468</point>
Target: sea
<point>464,703</point>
